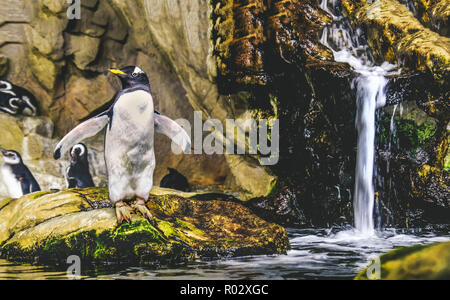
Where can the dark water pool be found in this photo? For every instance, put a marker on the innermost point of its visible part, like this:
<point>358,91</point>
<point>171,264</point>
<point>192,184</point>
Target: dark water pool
<point>315,254</point>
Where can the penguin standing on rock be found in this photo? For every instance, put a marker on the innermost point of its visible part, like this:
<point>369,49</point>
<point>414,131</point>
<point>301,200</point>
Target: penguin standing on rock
<point>15,100</point>
<point>129,141</point>
<point>78,174</point>
<point>16,176</point>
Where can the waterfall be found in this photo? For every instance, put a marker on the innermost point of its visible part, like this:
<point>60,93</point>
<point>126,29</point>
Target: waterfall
<point>349,46</point>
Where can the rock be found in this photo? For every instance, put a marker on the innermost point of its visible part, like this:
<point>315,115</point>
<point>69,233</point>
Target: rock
<point>253,180</point>
<point>92,23</point>
<point>413,185</point>
<point>55,6</point>
<point>45,34</point>
<point>395,35</point>
<point>48,227</point>
<point>433,14</point>
<point>83,96</point>
<point>84,49</point>
<point>281,207</point>
<point>45,70</point>
<point>12,135</point>
<point>3,65</point>
<point>421,262</point>
<point>89,3</point>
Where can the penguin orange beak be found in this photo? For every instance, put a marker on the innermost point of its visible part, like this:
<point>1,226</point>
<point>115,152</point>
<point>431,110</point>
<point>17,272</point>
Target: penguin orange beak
<point>117,72</point>
<point>3,151</point>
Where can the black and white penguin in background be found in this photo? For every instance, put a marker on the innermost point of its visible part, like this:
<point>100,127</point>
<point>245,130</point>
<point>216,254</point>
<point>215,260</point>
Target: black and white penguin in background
<point>78,174</point>
<point>15,100</point>
<point>16,176</point>
<point>175,180</point>
<point>129,151</point>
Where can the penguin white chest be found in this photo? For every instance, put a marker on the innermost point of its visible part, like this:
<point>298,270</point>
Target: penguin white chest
<point>129,153</point>
<point>135,109</point>
<point>12,184</point>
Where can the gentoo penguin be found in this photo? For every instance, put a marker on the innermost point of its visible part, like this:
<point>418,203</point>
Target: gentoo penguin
<point>175,180</point>
<point>129,152</point>
<point>16,100</point>
<point>16,176</point>
<point>78,174</point>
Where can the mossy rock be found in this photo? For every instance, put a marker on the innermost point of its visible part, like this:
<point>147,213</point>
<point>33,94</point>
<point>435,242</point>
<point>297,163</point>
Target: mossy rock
<point>420,262</point>
<point>47,227</point>
<point>394,34</point>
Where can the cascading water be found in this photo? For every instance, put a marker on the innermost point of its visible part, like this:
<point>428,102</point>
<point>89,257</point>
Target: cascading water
<point>348,46</point>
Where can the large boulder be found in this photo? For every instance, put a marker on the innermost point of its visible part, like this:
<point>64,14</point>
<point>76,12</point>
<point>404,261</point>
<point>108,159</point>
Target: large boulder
<point>48,227</point>
<point>421,262</point>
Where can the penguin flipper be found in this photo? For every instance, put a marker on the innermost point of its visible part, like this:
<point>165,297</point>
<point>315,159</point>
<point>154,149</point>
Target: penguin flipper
<point>83,131</point>
<point>174,131</point>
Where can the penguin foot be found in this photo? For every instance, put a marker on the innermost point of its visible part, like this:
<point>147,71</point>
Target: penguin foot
<point>139,206</point>
<point>123,212</point>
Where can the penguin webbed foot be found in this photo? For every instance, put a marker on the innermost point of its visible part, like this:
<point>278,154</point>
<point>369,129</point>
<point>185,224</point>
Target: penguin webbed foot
<point>140,207</point>
<point>123,212</point>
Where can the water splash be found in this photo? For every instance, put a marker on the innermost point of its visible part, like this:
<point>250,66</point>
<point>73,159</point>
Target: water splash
<point>349,46</point>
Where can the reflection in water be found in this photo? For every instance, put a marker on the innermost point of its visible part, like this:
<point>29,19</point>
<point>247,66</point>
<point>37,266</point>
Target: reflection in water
<point>13,271</point>
<point>315,254</point>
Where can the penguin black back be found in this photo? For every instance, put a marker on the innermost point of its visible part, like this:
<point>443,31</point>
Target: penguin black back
<point>78,174</point>
<point>16,100</point>
<point>18,178</point>
<point>175,180</point>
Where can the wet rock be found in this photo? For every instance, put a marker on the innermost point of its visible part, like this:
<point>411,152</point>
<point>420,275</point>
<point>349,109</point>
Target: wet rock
<point>51,226</point>
<point>395,35</point>
<point>412,182</point>
<point>421,262</point>
<point>433,14</point>
<point>282,208</point>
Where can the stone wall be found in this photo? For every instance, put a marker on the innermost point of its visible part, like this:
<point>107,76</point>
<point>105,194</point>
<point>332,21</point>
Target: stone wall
<point>65,63</point>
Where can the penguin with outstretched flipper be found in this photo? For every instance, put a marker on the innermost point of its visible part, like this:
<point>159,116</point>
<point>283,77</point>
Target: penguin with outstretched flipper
<point>129,142</point>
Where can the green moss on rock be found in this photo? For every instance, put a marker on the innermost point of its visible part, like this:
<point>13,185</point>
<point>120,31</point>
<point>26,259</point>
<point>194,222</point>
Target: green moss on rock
<point>420,262</point>
<point>81,222</point>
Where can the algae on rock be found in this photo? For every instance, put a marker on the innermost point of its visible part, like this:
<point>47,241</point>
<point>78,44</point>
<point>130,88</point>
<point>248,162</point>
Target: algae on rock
<point>420,262</point>
<point>50,226</point>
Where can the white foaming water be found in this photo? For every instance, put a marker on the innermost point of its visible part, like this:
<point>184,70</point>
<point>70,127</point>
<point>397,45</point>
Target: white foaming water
<point>370,89</point>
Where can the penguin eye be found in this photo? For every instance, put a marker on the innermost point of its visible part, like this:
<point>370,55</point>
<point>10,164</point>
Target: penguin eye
<point>134,74</point>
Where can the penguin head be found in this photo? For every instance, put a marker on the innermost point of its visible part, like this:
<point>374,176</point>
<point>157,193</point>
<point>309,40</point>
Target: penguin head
<point>19,100</point>
<point>78,154</point>
<point>131,76</point>
<point>24,105</point>
<point>11,157</point>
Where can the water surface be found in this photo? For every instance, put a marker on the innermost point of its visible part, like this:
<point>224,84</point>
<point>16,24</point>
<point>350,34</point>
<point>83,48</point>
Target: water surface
<point>315,254</point>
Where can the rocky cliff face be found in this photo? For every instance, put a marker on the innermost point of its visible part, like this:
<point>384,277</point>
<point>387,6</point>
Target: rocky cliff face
<point>64,64</point>
<point>234,59</point>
